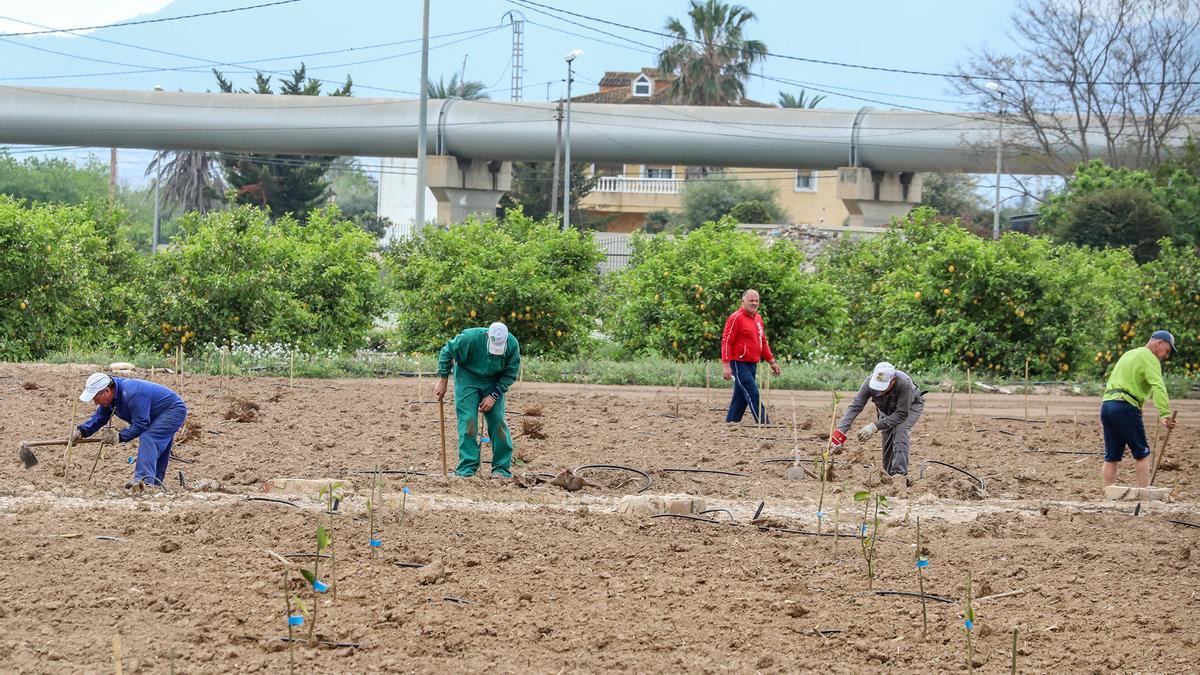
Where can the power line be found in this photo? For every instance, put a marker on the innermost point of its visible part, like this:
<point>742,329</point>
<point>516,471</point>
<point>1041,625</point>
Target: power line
<point>148,21</point>
<point>532,5</point>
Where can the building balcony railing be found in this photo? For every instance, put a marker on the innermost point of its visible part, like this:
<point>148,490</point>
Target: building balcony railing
<point>648,186</point>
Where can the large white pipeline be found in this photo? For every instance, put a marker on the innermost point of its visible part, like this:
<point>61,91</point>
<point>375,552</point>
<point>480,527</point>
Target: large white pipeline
<point>885,140</point>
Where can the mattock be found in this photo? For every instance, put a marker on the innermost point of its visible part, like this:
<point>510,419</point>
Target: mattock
<point>29,458</point>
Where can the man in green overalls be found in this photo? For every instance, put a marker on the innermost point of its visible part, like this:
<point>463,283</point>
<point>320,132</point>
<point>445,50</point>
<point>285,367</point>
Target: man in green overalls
<point>488,360</point>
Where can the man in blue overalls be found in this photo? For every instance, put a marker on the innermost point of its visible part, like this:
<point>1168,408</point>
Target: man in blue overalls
<point>154,414</point>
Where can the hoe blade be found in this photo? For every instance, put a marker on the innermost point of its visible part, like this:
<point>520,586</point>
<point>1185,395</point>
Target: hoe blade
<point>29,459</point>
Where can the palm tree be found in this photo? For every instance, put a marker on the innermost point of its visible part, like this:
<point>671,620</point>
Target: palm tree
<point>711,61</point>
<point>192,179</point>
<point>788,101</point>
<point>466,90</point>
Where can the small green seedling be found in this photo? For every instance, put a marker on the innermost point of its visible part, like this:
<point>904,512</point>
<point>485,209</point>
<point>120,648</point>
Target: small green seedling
<point>313,577</point>
<point>969,625</point>
<point>375,538</point>
<point>333,496</point>
<point>869,535</point>
<point>922,563</point>
<point>837,516</point>
<point>822,464</point>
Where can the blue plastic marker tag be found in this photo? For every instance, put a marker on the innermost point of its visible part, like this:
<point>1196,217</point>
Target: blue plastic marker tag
<point>129,460</point>
<point>820,514</point>
<point>295,620</point>
<point>969,624</point>
<point>405,490</point>
<point>922,563</point>
<point>376,543</point>
<point>320,587</point>
<point>863,530</point>
<point>485,439</point>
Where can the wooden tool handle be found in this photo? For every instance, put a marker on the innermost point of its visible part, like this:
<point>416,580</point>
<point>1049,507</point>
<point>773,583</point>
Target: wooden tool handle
<point>38,444</point>
<point>1162,450</point>
<point>442,418</point>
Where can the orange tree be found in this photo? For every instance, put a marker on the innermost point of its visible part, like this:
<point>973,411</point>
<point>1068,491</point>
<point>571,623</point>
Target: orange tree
<point>928,295</point>
<point>67,276</point>
<point>675,296</point>
<point>1171,293</point>
<point>543,282</point>
<point>238,276</point>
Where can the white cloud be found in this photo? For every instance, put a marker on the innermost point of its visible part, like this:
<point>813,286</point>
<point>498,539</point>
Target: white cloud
<point>71,13</point>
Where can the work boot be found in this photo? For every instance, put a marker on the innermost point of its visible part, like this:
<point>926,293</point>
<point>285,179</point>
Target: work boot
<point>135,488</point>
<point>500,475</point>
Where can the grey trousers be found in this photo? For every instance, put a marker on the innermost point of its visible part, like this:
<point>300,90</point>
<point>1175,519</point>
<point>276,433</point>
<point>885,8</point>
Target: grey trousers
<point>896,443</point>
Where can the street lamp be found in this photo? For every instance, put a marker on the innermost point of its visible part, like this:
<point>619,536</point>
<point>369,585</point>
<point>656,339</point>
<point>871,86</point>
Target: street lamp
<point>157,183</point>
<point>995,87</point>
<point>567,147</point>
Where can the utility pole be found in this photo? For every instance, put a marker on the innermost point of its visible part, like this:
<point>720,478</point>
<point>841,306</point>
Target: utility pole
<point>566,221</point>
<point>422,119</point>
<point>995,86</point>
<point>158,160</point>
<point>557,149</point>
<point>112,174</point>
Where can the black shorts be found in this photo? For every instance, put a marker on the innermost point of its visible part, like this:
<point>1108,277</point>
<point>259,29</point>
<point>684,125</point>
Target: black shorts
<point>1123,426</point>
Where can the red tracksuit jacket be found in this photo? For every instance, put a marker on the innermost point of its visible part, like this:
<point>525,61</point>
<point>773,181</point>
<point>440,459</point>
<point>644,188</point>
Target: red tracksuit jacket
<point>744,339</point>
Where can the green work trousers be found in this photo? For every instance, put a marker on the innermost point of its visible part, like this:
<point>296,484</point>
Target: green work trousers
<point>468,392</point>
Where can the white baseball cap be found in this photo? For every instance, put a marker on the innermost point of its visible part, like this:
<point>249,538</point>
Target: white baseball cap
<point>497,338</point>
<point>96,382</point>
<point>882,376</point>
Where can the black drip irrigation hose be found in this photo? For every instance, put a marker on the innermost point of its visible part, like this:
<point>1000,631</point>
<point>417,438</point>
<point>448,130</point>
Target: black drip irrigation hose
<point>1062,452</point>
<point>271,499</point>
<point>306,555</point>
<point>719,472</point>
<point>618,467</point>
<point>1184,522</point>
<point>809,533</point>
<point>803,460</point>
<point>727,512</point>
<point>460,601</point>
<point>390,471</point>
<point>410,565</point>
<point>177,458</point>
<point>1018,419</point>
<point>999,431</point>
<point>977,479</point>
<point>687,516</point>
<point>910,594</point>
<point>327,643</point>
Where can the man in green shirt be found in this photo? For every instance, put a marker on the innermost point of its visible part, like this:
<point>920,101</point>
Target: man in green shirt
<point>485,362</point>
<point>1136,377</point>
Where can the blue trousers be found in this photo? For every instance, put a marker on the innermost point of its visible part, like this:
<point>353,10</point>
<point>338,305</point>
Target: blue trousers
<point>745,393</point>
<point>154,445</point>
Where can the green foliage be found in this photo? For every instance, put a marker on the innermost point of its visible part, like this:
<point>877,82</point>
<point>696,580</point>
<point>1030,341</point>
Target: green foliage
<point>753,211</point>
<point>711,199</point>
<point>1095,207</point>
<point>294,184</point>
<point>64,277</point>
<point>801,100</point>
<point>542,282</point>
<point>1171,289</point>
<point>929,295</point>
<point>657,221</point>
<point>711,57</point>
<point>236,276</point>
<point>54,180</point>
<point>465,89</point>
<point>532,188</point>
<point>955,195</point>
<point>677,293</point>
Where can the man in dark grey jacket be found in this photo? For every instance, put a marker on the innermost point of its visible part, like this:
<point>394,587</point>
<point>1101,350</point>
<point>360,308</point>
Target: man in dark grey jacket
<point>898,405</point>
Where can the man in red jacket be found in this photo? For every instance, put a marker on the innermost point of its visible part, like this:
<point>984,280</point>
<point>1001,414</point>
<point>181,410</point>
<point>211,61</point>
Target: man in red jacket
<point>743,345</point>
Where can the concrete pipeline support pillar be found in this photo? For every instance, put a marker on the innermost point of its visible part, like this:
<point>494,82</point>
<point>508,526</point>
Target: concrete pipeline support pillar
<point>873,198</point>
<point>466,187</point>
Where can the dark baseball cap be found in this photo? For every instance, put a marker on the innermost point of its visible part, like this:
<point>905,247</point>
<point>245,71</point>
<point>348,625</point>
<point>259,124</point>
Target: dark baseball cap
<point>1166,337</point>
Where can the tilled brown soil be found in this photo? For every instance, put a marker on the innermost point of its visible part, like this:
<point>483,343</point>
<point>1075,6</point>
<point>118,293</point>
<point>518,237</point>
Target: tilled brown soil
<point>555,581</point>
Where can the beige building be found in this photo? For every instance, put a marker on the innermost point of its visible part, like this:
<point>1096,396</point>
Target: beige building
<point>627,192</point>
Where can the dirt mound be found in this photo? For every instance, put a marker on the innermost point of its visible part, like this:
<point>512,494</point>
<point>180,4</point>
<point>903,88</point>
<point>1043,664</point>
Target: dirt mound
<point>243,410</point>
<point>532,428</point>
<point>191,431</point>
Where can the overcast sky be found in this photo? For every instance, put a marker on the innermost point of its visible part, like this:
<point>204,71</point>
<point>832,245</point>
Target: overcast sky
<point>377,43</point>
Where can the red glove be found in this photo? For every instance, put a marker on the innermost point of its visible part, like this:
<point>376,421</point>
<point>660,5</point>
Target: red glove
<point>837,438</point>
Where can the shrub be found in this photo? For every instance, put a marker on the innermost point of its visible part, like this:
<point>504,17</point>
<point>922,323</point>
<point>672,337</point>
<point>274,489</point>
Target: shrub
<point>66,276</point>
<point>1171,290</point>
<point>236,276</point>
<point>543,282</point>
<point>674,298</point>
<point>931,295</point>
<point>1125,217</point>
<point>711,199</point>
<point>753,211</point>
<point>657,221</point>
